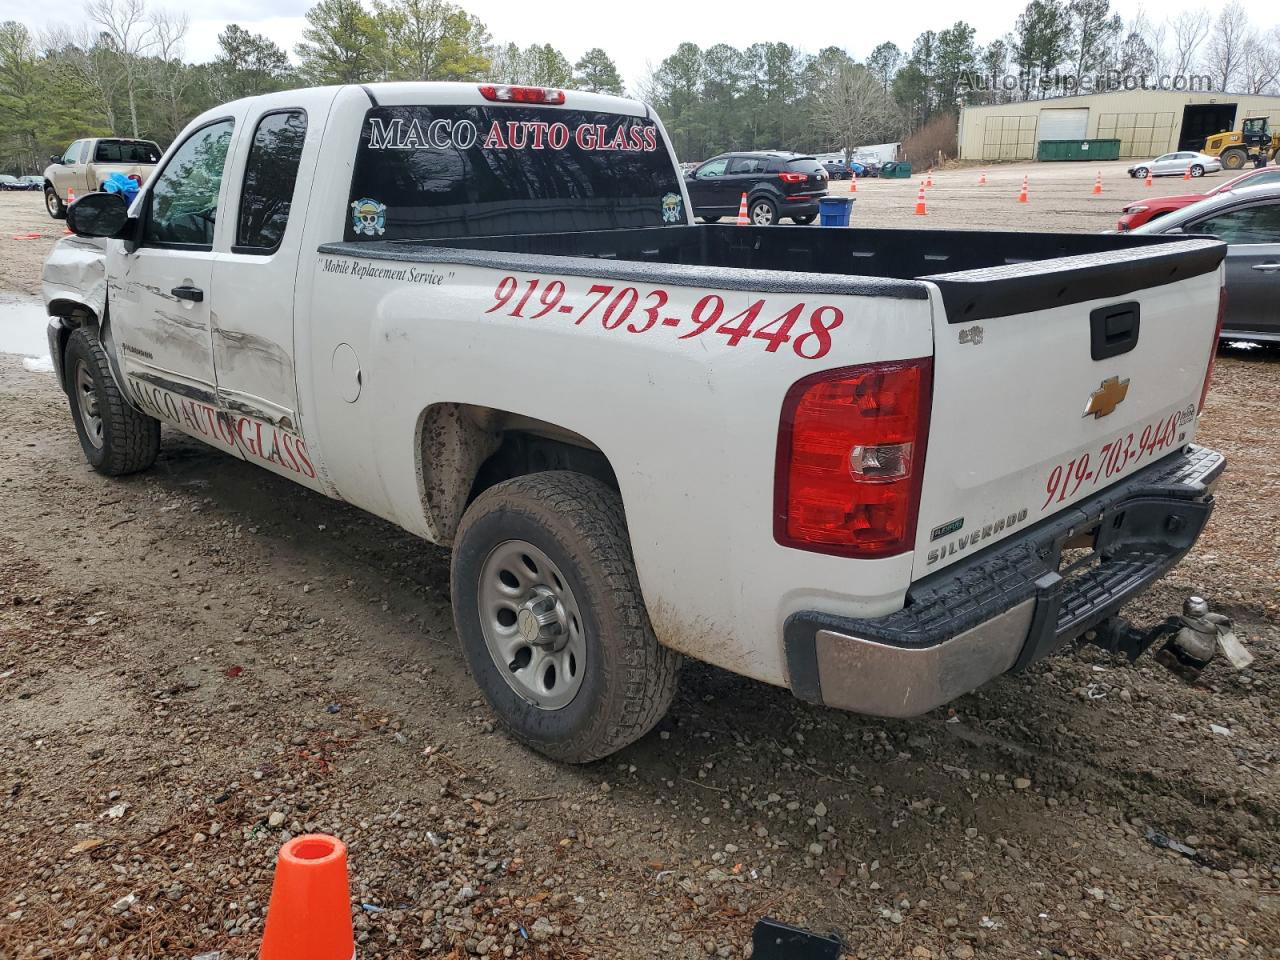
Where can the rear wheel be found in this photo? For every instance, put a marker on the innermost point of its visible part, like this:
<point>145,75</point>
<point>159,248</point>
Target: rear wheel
<point>116,438</point>
<point>706,219</point>
<point>807,218</point>
<point>53,203</point>
<point>548,608</point>
<point>763,212</point>
<point>1197,170</point>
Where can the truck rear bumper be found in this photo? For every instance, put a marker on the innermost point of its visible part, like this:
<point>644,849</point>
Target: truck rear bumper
<point>1012,604</point>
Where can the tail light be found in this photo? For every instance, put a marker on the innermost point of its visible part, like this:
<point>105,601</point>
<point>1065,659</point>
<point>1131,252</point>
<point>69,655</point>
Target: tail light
<point>850,460</point>
<point>793,177</point>
<point>503,93</point>
<point>1213,349</point>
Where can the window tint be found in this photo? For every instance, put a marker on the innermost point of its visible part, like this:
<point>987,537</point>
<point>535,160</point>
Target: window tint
<point>1258,224</point>
<point>806,165</point>
<point>465,171</point>
<point>184,197</point>
<point>269,178</point>
<point>747,165</point>
<point>713,168</point>
<point>125,151</point>
<point>73,152</point>
<point>84,150</point>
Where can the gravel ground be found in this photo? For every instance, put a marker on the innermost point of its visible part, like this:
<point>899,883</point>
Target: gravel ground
<point>201,661</point>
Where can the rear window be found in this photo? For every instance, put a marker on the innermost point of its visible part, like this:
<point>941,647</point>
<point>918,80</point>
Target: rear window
<point>126,151</point>
<point>467,171</point>
<point>806,165</point>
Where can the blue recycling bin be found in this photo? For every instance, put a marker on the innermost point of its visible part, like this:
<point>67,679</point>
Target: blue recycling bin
<point>834,211</point>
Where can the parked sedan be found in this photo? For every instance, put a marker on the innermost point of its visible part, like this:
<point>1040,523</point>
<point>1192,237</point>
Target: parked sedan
<point>9,183</point>
<point>1248,219</point>
<point>1140,211</point>
<point>1171,164</point>
<point>33,181</point>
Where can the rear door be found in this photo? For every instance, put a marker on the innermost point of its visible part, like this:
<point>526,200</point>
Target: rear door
<point>1253,264</point>
<point>1034,411</point>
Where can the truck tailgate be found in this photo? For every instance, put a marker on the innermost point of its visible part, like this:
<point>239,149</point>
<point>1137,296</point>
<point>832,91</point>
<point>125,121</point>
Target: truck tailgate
<point>1055,380</point>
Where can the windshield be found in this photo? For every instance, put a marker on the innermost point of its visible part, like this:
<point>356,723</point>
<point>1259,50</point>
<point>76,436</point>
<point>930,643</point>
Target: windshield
<point>466,171</point>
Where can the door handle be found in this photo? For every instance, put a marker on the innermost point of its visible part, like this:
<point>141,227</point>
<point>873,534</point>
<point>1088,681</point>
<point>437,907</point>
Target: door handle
<point>194,294</point>
<point>1266,267</point>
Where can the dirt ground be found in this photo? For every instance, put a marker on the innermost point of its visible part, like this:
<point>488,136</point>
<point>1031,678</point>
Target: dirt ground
<point>201,661</point>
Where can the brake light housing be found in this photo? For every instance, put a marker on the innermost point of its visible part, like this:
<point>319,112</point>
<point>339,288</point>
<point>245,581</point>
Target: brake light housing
<point>1213,350</point>
<point>850,459</point>
<point>793,177</point>
<point>508,93</point>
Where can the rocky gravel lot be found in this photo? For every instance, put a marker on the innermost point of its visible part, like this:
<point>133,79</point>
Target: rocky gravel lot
<point>199,662</point>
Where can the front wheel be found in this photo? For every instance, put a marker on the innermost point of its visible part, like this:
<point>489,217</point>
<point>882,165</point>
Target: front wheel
<point>116,438</point>
<point>1197,170</point>
<point>764,212</point>
<point>706,219</point>
<point>548,608</point>
<point>53,203</point>
<point>806,219</point>
<point>1141,173</point>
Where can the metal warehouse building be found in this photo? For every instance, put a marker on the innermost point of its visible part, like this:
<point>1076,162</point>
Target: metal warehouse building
<point>1146,122</point>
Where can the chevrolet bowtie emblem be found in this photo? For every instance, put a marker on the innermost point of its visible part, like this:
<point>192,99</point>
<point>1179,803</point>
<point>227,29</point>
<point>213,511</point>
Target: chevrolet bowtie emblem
<point>1107,397</point>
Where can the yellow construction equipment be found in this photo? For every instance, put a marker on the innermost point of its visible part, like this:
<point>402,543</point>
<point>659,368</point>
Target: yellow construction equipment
<point>1239,148</point>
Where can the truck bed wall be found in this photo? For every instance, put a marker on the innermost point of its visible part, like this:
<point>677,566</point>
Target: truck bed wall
<point>894,254</point>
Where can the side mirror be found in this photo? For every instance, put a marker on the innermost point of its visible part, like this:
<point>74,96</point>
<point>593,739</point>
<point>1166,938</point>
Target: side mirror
<point>98,215</point>
<point>56,161</point>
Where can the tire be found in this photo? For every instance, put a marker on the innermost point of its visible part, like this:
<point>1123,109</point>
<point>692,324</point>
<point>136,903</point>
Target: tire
<point>1197,170</point>
<point>53,203</point>
<point>1234,159</point>
<point>706,219</point>
<point>806,219</point>
<point>116,438</point>
<point>762,212</point>
<point>575,525</point>
<point>1140,173</point>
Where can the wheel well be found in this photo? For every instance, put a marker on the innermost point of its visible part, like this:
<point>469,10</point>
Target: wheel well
<point>464,450</point>
<point>73,314</point>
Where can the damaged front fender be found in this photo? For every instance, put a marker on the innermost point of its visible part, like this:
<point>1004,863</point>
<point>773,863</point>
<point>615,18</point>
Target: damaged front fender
<point>74,287</point>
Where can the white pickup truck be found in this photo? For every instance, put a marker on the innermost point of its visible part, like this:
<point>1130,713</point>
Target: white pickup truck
<point>878,467</point>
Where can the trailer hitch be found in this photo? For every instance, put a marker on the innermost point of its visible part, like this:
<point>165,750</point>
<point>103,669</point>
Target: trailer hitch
<point>1195,638</point>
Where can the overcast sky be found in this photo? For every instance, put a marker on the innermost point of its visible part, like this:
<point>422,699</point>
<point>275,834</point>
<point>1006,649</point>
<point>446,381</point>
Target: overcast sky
<point>635,35</point>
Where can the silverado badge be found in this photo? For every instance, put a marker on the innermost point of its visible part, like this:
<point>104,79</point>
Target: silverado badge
<point>1107,397</point>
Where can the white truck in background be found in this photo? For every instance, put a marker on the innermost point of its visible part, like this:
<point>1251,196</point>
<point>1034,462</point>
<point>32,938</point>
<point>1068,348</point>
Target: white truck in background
<point>848,462</point>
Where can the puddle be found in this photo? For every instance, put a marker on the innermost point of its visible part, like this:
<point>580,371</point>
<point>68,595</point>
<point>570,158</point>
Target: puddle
<point>22,325</point>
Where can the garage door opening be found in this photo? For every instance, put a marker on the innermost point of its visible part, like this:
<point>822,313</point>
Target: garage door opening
<point>1201,120</point>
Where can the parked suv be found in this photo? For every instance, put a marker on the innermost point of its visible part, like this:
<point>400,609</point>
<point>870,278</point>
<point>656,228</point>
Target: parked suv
<point>777,185</point>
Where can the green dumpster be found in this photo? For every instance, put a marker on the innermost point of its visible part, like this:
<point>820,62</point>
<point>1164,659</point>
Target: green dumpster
<point>1050,150</point>
<point>897,170</point>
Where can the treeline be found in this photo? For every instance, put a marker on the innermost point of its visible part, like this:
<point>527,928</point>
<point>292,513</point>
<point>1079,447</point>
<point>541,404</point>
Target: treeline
<point>126,73</point>
<point>773,95</point>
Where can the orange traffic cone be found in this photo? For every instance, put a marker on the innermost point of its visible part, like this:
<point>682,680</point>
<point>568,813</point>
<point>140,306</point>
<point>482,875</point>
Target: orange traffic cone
<point>1097,184</point>
<point>1186,174</point>
<point>309,915</point>
<point>71,196</point>
<point>853,182</point>
<point>982,180</point>
<point>920,209</point>
<point>1022,197</point>
<point>743,219</point>
<point>929,179</point>
<point>1149,180</point>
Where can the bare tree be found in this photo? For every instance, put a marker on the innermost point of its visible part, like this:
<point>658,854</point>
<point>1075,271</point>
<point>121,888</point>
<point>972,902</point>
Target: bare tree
<point>170,75</point>
<point>1156,37</point>
<point>1261,62</point>
<point>1227,44</point>
<point>1189,30</point>
<point>125,24</point>
<point>854,108</point>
